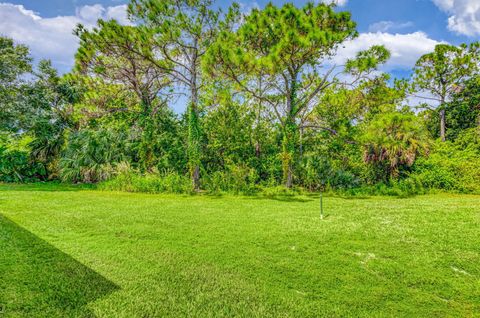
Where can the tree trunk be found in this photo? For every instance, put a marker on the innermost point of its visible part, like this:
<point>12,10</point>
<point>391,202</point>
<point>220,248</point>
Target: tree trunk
<point>301,143</point>
<point>194,129</point>
<point>288,152</point>
<point>289,135</point>
<point>146,151</point>
<point>289,182</point>
<point>442,124</point>
<point>194,141</point>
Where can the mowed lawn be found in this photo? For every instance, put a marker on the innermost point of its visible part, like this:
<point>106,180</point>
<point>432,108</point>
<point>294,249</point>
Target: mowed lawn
<point>68,252</point>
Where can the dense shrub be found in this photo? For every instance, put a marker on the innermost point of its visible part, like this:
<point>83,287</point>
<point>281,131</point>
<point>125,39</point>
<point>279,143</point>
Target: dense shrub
<point>90,156</point>
<point>237,179</point>
<point>320,172</point>
<point>130,180</point>
<point>450,168</point>
<point>15,166</point>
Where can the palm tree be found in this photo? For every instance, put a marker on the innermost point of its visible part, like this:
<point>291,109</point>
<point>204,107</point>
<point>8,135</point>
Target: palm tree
<point>393,140</point>
<point>91,156</point>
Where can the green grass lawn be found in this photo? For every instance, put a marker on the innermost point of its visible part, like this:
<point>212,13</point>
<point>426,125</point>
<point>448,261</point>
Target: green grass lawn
<point>68,252</point>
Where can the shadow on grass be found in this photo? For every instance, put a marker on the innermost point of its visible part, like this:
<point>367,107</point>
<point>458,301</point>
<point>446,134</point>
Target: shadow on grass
<point>260,196</point>
<point>283,198</point>
<point>45,186</point>
<point>39,280</point>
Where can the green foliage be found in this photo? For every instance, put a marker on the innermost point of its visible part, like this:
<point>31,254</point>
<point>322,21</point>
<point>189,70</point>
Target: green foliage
<point>463,112</point>
<point>46,147</point>
<point>443,70</point>
<point>451,167</point>
<point>161,144</point>
<point>275,39</point>
<point>15,166</point>
<point>288,49</point>
<point>194,145</point>
<point>320,172</point>
<point>179,32</point>
<point>236,179</point>
<point>14,61</point>
<point>15,163</point>
<point>368,60</point>
<point>129,180</point>
<point>236,134</point>
<point>114,53</point>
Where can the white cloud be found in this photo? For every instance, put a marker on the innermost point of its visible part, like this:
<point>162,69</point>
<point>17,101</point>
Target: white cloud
<point>340,3</point>
<point>405,48</point>
<point>118,13</point>
<point>53,38</point>
<point>246,8</point>
<point>464,15</point>
<point>444,4</point>
<point>384,26</point>
<point>91,13</point>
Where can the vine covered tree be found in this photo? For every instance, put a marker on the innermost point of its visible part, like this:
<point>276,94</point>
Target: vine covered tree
<point>180,32</point>
<point>463,112</point>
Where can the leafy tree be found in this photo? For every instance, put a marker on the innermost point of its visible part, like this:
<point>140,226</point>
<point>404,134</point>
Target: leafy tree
<point>179,32</point>
<point>235,135</point>
<point>287,50</point>
<point>443,72</point>
<point>111,52</point>
<point>50,98</point>
<point>332,148</point>
<point>37,106</point>
<point>15,62</point>
<point>463,112</point>
<point>103,103</point>
<point>163,148</point>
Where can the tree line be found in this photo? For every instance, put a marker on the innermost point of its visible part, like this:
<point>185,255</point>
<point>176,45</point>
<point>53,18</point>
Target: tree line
<point>266,105</point>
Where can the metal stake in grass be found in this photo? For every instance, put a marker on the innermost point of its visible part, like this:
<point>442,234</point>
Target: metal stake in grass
<point>321,200</point>
<point>321,205</point>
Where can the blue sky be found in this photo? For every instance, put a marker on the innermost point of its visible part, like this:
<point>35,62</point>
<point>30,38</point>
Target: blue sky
<point>425,15</point>
<point>409,28</point>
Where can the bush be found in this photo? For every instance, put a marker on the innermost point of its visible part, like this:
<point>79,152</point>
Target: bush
<point>320,172</point>
<point>237,179</point>
<point>411,186</point>
<point>130,180</point>
<point>451,167</point>
<point>15,166</point>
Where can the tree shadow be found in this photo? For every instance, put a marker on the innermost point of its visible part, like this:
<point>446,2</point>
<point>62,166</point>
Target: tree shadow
<point>283,198</point>
<point>39,280</point>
